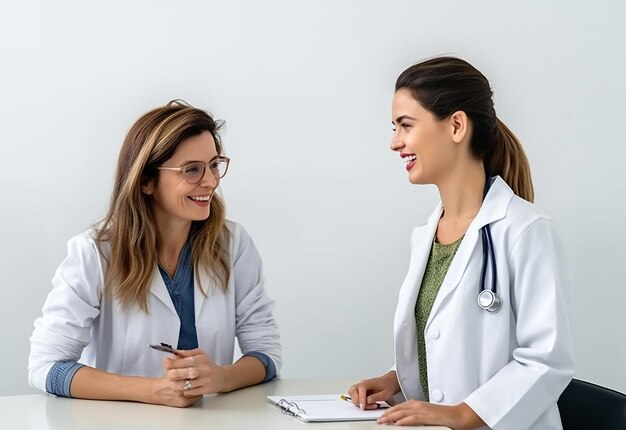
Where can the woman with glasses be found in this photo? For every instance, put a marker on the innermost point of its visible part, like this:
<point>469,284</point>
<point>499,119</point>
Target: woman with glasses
<point>482,330</point>
<point>164,268</point>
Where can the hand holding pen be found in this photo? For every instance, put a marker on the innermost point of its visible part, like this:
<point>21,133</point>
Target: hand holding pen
<point>368,392</point>
<point>168,391</point>
<point>193,370</point>
<point>379,404</point>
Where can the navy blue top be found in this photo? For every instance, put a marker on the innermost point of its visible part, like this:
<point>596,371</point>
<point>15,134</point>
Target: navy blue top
<point>181,289</point>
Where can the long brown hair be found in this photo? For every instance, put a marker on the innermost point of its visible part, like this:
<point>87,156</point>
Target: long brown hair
<point>129,227</point>
<point>445,85</point>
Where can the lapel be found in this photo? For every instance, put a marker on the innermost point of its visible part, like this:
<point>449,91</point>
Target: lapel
<point>421,243</point>
<point>200,297</point>
<point>158,289</point>
<point>493,209</point>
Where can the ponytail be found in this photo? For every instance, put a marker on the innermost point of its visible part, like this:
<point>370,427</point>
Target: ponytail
<point>508,160</point>
<point>444,85</point>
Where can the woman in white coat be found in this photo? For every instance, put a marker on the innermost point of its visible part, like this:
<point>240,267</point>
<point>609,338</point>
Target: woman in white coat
<point>502,361</point>
<point>163,267</point>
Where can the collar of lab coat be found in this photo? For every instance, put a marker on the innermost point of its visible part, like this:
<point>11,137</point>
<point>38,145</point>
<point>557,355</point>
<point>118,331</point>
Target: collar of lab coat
<point>158,289</point>
<point>494,208</point>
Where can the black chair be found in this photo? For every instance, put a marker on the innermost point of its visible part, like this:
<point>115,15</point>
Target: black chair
<point>584,405</point>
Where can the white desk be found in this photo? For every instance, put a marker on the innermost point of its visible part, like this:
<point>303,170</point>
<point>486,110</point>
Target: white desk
<point>243,409</point>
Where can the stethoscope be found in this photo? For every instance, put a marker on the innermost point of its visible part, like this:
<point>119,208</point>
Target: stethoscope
<point>488,299</point>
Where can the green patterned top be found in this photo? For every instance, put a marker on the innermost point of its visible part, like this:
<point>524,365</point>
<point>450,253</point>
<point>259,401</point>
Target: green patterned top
<point>438,263</point>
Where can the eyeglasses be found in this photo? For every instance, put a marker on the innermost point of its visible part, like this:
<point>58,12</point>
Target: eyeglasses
<point>194,172</point>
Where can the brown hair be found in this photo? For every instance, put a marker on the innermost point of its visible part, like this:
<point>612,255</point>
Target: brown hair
<point>445,85</point>
<point>129,226</point>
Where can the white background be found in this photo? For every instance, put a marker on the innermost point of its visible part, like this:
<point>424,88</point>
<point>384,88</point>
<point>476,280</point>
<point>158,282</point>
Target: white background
<point>305,88</point>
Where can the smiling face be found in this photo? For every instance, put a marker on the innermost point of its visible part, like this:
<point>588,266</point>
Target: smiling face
<point>425,143</point>
<point>173,198</point>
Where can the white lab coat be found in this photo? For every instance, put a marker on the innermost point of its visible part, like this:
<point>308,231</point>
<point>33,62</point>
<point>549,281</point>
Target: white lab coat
<point>79,324</point>
<point>509,367</point>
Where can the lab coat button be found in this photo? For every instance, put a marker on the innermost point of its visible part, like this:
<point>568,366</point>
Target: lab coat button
<point>434,333</point>
<point>436,395</point>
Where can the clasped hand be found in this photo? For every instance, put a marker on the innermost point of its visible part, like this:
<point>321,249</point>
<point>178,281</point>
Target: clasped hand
<point>204,376</point>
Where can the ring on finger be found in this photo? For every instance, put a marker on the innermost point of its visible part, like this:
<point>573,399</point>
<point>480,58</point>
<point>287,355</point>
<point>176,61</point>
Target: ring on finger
<point>187,385</point>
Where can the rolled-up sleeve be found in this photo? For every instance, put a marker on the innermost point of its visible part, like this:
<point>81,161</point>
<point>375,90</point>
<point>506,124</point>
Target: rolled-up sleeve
<point>64,328</point>
<point>256,328</point>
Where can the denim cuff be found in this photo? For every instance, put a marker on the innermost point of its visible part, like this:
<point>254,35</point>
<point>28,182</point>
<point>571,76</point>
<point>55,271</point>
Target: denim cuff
<point>60,377</point>
<point>268,363</point>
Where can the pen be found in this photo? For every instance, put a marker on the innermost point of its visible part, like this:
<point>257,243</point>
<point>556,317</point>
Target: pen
<point>164,347</point>
<point>378,404</point>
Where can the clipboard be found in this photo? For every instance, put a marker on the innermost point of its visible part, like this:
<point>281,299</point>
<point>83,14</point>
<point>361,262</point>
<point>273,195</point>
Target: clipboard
<point>322,408</point>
